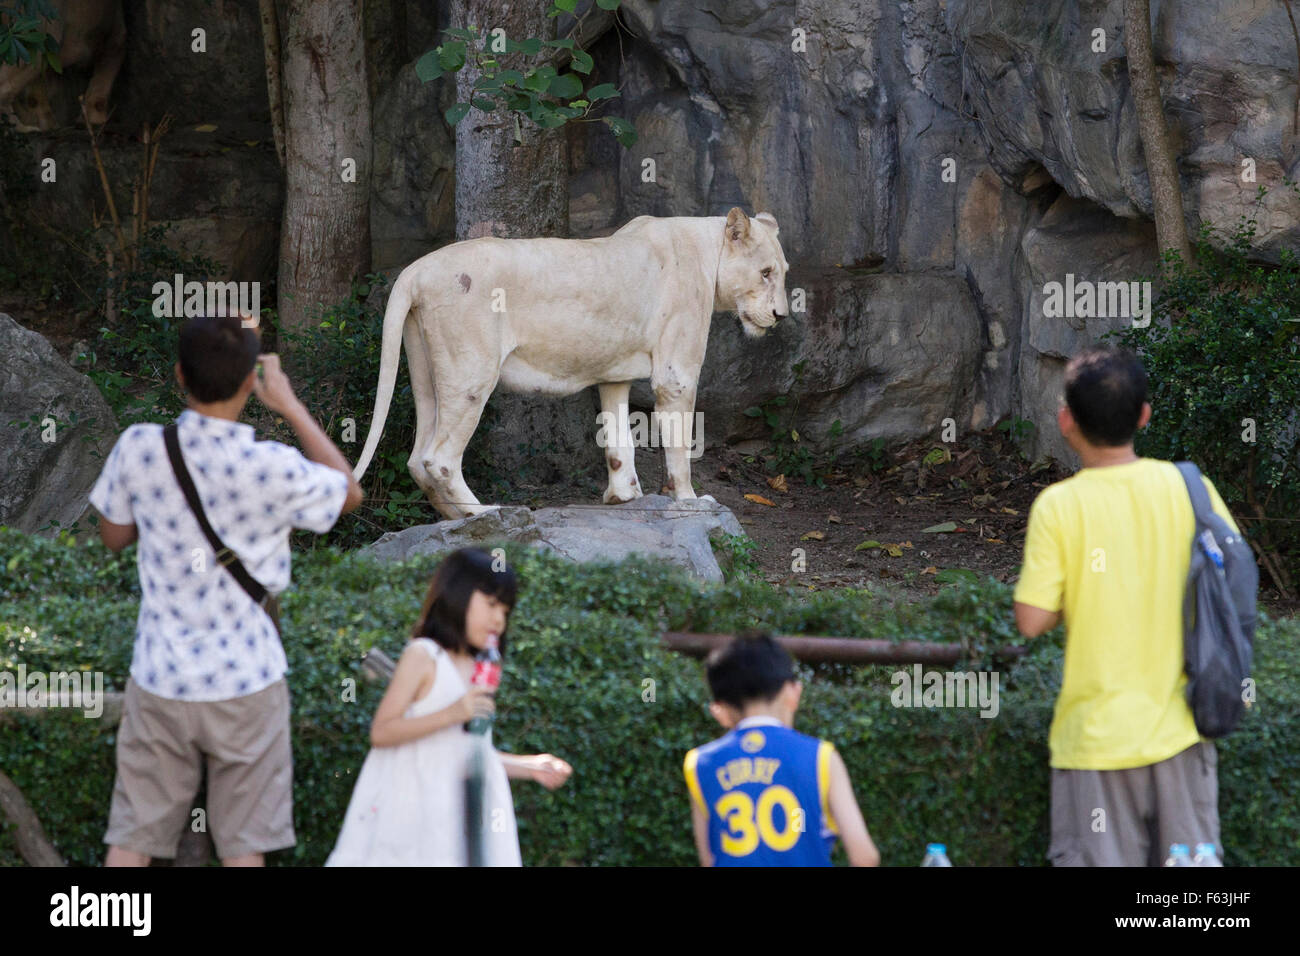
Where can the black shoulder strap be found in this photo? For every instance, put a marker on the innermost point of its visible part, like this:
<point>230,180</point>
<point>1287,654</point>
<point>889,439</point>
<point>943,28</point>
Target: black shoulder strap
<point>1201,506</point>
<point>225,556</point>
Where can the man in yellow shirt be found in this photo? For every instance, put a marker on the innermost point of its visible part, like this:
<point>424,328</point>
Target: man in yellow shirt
<point>1108,551</point>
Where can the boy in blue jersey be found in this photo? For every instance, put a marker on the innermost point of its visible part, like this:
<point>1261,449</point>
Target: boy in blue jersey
<point>764,794</point>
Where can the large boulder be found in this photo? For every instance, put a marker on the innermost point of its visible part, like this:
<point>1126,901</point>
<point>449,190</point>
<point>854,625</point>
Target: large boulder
<point>57,432</point>
<point>654,526</point>
<point>1077,244</point>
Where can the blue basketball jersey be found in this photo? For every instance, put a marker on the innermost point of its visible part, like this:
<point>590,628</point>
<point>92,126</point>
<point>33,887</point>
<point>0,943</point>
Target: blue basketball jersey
<point>765,790</point>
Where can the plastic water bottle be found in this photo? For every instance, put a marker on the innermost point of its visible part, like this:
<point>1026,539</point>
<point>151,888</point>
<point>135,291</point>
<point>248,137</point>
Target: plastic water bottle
<point>936,854</point>
<point>487,673</point>
<point>1206,855</point>
<point>1179,855</point>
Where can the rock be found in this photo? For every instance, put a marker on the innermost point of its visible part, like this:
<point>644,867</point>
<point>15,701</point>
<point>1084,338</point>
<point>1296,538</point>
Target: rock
<point>540,440</point>
<point>657,526</point>
<point>47,480</point>
<point>219,196</point>
<point>1069,241</point>
<point>413,199</point>
<point>1047,95</point>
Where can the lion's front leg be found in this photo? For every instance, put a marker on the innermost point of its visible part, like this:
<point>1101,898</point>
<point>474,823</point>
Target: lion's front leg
<point>615,436</point>
<point>675,414</point>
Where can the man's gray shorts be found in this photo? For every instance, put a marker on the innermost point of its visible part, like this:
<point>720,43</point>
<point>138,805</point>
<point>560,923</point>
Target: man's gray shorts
<point>1130,817</point>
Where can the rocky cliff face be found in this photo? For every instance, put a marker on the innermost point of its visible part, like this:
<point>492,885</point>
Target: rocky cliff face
<point>934,165</point>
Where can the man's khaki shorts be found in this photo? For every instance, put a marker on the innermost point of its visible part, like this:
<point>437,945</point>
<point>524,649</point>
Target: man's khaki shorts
<point>1130,817</point>
<point>161,746</point>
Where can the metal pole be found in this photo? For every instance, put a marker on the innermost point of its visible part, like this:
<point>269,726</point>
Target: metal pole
<point>841,650</point>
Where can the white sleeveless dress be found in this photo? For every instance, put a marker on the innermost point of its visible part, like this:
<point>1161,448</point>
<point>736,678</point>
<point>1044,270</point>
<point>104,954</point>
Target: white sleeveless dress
<point>408,805</point>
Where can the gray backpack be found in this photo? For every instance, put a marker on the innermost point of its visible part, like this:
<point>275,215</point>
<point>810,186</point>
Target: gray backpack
<point>1218,615</point>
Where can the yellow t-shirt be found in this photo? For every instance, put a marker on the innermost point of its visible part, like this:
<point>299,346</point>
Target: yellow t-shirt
<point>1110,548</point>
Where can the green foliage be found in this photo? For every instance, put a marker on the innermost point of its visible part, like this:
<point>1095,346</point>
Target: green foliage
<point>789,452</point>
<point>1223,358</point>
<point>1017,430</point>
<point>546,96</point>
<point>132,362</point>
<point>583,642</point>
<point>735,554</point>
<point>23,34</point>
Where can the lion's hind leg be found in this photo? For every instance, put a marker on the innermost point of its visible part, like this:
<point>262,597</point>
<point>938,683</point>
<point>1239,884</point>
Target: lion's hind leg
<point>425,398</point>
<point>462,395</point>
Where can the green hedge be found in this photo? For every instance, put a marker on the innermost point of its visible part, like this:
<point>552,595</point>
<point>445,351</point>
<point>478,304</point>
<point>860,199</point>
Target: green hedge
<point>583,640</point>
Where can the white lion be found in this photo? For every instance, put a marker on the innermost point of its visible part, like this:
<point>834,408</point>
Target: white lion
<point>554,316</point>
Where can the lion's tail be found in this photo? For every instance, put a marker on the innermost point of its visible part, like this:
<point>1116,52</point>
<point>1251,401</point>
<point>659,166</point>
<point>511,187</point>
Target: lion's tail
<point>399,306</point>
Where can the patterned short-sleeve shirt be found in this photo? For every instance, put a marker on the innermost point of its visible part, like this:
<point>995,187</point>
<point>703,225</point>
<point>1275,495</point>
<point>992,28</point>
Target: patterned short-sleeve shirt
<point>199,636</point>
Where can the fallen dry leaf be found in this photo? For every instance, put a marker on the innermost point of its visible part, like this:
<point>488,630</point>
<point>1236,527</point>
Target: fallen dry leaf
<point>994,540</point>
<point>813,536</point>
<point>778,483</point>
<point>833,518</point>
<point>206,128</point>
<point>1010,511</point>
<point>930,570</point>
<point>759,499</point>
<point>942,528</point>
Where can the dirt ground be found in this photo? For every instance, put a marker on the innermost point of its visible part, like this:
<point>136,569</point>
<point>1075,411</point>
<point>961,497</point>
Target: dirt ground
<point>870,525</point>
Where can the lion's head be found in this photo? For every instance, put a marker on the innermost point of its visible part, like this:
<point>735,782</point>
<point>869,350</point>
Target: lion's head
<point>751,273</point>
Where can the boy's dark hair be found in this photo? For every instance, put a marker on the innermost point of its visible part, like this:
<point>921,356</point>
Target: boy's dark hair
<point>442,617</point>
<point>1105,389</point>
<point>216,354</point>
<point>751,669</point>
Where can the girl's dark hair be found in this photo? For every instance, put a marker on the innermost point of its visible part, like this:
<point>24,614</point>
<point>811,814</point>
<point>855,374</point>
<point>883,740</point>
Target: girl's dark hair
<point>461,573</point>
<point>216,354</point>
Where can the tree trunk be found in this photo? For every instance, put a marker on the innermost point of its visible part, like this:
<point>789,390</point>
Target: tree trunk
<point>519,191</point>
<point>325,231</point>
<point>503,188</point>
<point>29,835</point>
<point>1162,167</point>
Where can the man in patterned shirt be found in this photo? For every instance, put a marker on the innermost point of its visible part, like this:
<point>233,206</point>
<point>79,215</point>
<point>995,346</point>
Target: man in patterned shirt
<point>208,671</point>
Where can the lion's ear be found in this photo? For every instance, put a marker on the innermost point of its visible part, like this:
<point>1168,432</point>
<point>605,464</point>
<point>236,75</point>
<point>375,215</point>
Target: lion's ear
<point>770,219</point>
<point>737,225</point>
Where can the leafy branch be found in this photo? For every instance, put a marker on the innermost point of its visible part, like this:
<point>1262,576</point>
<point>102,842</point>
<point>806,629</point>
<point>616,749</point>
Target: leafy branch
<point>23,36</point>
<point>546,95</point>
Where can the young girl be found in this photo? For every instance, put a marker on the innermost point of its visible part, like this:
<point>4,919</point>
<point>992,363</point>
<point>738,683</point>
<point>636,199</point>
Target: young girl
<point>408,805</point>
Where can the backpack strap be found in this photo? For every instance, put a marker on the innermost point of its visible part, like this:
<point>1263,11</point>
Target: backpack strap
<point>225,557</point>
<point>1201,506</point>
